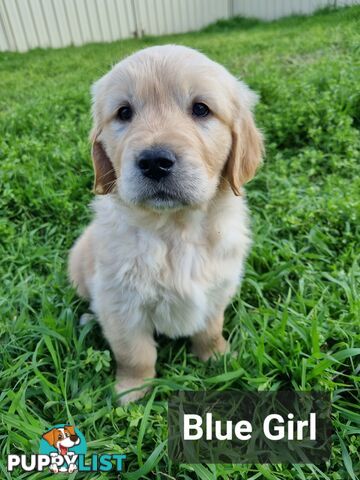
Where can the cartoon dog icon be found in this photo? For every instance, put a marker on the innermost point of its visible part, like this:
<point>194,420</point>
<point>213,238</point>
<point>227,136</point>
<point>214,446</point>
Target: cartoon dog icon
<point>62,438</point>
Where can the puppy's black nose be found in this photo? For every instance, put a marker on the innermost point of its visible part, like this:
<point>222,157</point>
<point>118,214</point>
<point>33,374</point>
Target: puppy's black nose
<point>156,163</point>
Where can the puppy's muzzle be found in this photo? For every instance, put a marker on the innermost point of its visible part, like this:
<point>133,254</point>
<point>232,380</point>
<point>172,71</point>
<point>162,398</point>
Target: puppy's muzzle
<point>156,163</point>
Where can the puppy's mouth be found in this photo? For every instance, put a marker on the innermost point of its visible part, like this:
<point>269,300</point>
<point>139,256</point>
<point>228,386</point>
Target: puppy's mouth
<point>63,450</point>
<point>163,199</point>
<point>162,195</point>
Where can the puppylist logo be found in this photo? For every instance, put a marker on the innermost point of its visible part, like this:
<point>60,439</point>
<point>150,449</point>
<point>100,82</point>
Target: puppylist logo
<point>62,450</point>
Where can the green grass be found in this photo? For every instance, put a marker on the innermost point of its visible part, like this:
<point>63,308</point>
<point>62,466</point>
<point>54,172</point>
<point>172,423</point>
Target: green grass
<point>295,324</point>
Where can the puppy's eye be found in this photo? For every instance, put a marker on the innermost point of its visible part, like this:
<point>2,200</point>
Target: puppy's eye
<point>125,114</point>
<point>200,110</point>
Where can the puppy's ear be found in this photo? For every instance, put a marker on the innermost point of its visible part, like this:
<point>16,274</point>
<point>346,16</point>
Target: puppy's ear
<point>247,144</point>
<point>105,176</point>
<point>50,436</point>
<point>70,429</point>
<point>103,168</point>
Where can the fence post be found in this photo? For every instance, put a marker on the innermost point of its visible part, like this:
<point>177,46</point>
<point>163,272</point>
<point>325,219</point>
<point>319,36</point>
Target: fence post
<point>136,14</point>
<point>231,9</point>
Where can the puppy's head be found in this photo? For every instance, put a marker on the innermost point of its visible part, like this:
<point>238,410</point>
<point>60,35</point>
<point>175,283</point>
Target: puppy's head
<point>62,438</point>
<point>169,124</point>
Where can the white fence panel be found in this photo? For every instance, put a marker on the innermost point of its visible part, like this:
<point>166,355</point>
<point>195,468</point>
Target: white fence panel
<point>27,24</point>
<point>272,9</point>
<point>158,17</point>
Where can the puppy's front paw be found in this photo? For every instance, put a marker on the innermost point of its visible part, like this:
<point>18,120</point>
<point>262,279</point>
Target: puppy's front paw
<point>124,384</point>
<point>206,351</point>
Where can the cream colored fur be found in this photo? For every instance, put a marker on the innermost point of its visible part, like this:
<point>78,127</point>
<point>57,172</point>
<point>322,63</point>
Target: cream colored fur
<point>172,268</point>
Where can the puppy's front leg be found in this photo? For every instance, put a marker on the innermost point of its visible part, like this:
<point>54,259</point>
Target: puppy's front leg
<point>207,343</point>
<point>135,353</point>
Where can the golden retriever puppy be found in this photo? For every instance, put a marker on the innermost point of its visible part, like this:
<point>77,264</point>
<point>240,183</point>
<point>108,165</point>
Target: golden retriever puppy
<point>174,140</point>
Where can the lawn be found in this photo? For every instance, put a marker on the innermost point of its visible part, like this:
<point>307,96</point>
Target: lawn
<point>295,324</point>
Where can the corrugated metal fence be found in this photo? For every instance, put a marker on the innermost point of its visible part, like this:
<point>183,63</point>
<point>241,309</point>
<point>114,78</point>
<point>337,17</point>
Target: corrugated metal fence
<point>27,24</point>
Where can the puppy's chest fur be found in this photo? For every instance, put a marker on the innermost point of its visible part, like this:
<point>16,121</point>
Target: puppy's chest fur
<point>172,276</point>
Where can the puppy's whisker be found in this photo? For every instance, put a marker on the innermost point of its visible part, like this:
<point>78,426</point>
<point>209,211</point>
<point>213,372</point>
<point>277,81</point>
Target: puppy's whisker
<point>110,184</point>
<point>110,172</point>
